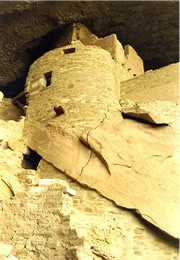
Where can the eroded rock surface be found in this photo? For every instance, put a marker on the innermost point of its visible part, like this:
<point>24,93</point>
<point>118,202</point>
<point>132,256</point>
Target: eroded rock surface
<point>130,163</point>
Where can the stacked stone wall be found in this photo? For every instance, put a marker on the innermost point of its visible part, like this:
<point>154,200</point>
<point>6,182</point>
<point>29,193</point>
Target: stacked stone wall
<point>161,84</point>
<point>81,82</point>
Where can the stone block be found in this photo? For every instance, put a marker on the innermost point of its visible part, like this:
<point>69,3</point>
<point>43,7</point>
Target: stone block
<point>5,249</point>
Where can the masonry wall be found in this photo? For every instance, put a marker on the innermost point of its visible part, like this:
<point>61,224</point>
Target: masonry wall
<point>83,83</point>
<point>161,84</point>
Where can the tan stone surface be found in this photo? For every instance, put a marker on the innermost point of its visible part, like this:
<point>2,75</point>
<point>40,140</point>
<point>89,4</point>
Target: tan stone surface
<point>5,191</point>
<point>143,169</point>
<point>5,249</point>
<point>8,111</point>
<point>46,223</point>
<point>10,159</point>
<point>166,110</point>
<point>82,81</point>
<point>147,116</point>
<point>11,130</point>
<point>132,159</point>
<point>133,63</point>
<point>111,231</point>
<point>64,150</point>
<point>161,84</point>
<point>133,110</point>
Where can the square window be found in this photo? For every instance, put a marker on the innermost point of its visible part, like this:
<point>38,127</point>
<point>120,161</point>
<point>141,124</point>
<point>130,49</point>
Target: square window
<point>48,77</point>
<point>71,50</point>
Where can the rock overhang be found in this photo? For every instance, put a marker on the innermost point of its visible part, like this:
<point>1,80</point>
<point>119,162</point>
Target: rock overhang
<point>29,28</point>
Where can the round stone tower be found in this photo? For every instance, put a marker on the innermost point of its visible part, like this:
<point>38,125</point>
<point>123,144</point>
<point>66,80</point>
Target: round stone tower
<point>81,79</point>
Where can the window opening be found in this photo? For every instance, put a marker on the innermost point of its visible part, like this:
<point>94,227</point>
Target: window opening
<point>71,50</point>
<point>48,77</point>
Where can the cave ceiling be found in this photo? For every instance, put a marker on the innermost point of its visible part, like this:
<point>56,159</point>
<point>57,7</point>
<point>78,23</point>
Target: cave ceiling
<point>28,28</point>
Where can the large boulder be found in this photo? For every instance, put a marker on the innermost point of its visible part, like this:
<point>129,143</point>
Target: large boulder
<point>131,163</point>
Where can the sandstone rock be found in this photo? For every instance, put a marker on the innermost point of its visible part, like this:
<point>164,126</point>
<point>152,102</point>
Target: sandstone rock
<point>5,249</point>
<point>138,113</point>
<point>137,166</point>
<point>166,111</point>
<point>146,116</point>
<point>3,144</point>
<point>64,150</point>
<point>11,130</point>
<point>5,191</point>
<point>8,111</point>
<point>19,146</point>
<point>143,170</point>
<point>11,257</point>
<point>8,177</point>
<point>10,159</point>
<point>123,235</point>
<point>71,192</point>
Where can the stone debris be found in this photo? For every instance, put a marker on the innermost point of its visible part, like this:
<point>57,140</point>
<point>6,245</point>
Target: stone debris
<point>71,192</point>
<point>5,252</point>
<point>5,249</point>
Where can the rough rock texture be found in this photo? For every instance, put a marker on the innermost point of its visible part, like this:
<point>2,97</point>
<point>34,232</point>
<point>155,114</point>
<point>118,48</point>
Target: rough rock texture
<point>166,110</point>
<point>25,26</point>
<point>37,223</point>
<point>47,223</point>
<point>11,149</point>
<point>8,111</point>
<point>129,158</point>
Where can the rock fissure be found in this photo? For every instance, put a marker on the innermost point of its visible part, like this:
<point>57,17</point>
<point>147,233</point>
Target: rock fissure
<point>85,165</point>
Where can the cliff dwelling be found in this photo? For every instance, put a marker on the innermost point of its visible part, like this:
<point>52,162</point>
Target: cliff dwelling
<point>89,135</point>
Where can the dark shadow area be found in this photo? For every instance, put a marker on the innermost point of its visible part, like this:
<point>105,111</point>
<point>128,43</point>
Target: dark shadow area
<point>31,160</point>
<point>164,237</point>
<point>143,120</point>
<point>14,88</point>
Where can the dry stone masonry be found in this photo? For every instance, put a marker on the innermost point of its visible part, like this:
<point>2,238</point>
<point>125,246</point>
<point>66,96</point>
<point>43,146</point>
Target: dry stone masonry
<point>107,184</point>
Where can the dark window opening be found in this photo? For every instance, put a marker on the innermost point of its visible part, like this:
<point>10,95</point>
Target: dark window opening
<point>71,50</point>
<point>31,160</point>
<point>48,77</point>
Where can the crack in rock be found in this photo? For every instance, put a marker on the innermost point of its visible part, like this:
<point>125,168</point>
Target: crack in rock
<point>85,166</point>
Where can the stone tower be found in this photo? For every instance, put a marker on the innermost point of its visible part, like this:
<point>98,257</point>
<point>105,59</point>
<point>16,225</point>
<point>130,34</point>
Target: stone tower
<point>81,77</point>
